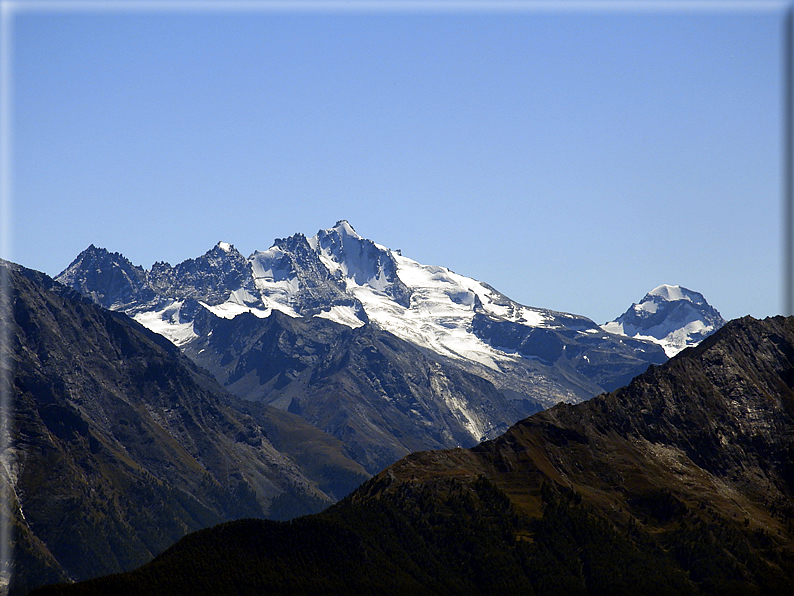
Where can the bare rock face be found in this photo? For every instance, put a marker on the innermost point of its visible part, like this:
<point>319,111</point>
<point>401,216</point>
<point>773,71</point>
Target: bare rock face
<point>210,277</point>
<point>576,347</point>
<point>294,260</point>
<point>109,279</point>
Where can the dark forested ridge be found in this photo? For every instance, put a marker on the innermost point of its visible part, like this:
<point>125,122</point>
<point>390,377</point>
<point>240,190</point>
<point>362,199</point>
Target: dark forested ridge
<point>680,483</point>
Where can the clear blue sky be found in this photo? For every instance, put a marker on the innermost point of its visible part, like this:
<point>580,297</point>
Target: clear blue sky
<point>572,159</point>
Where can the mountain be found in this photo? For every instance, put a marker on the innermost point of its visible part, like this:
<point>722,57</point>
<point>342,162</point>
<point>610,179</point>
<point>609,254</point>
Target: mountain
<point>384,353</point>
<point>679,483</point>
<point>121,445</point>
<point>379,395</point>
<point>110,280</point>
<point>672,316</point>
<point>535,353</point>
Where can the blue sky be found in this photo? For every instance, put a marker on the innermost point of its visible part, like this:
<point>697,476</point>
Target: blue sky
<point>573,159</point>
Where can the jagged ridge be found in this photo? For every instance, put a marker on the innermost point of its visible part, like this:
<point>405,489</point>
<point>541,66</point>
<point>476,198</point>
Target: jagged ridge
<point>341,276</point>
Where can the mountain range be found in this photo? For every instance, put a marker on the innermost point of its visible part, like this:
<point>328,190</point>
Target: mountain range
<point>679,483</point>
<point>270,387</point>
<point>386,354</point>
<point>337,275</point>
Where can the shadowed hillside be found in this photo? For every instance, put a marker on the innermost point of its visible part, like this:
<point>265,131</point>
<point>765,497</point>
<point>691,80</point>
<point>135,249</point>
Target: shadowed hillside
<point>679,483</point>
<point>121,445</point>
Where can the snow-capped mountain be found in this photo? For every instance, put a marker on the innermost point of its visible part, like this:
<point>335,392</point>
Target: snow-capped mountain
<point>385,354</point>
<point>341,276</point>
<point>672,316</point>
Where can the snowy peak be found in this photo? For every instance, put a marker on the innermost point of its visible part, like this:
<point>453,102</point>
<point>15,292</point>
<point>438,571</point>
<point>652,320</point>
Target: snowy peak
<point>672,316</point>
<point>657,305</point>
<point>670,293</point>
<point>357,261</point>
<point>339,275</point>
<point>343,228</point>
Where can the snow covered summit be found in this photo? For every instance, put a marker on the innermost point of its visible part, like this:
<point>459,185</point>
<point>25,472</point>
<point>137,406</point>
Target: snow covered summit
<point>672,316</point>
<point>341,276</point>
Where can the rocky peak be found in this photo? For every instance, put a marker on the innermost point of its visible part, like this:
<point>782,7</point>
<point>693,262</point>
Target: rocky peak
<point>108,278</point>
<point>292,272</point>
<point>211,277</point>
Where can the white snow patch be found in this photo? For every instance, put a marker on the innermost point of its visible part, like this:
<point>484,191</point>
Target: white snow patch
<point>669,292</point>
<point>649,306</point>
<point>243,296</point>
<point>532,318</point>
<point>326,260</point>
<point>346,315</point>
<point>230,309</point>
<point>440,314</point>
<point>271,278</point>
<point>166,322</point>
<point>679,339</point>
<point>344,228</point>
